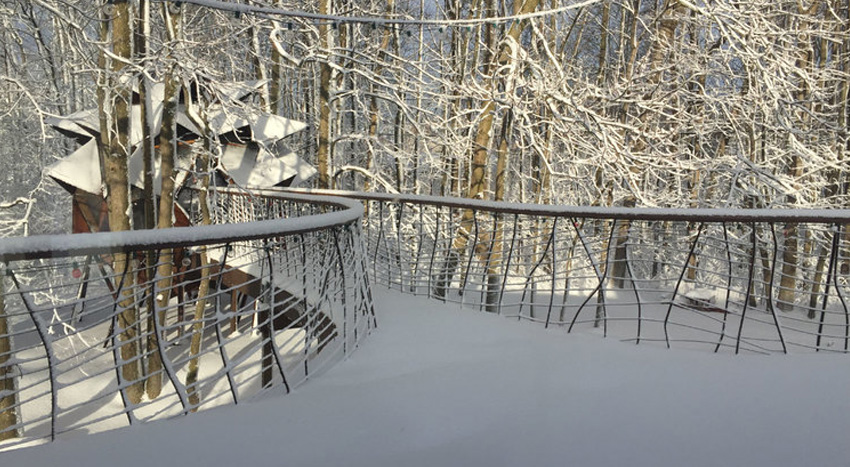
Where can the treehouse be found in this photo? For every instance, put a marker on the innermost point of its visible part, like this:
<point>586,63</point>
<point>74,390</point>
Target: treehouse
<point>251,154</point>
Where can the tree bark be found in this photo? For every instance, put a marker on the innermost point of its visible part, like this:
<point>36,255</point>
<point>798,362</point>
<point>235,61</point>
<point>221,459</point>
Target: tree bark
<point>480,152</point>
<point>199,119</point>
<point>323,153</point>
<point>118,195</point>
<point>165,219</point>
<point>788,279</point>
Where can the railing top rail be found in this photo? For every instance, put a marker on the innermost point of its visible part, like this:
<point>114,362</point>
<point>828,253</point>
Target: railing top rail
<point>63,245</point>
<point>822,216</point>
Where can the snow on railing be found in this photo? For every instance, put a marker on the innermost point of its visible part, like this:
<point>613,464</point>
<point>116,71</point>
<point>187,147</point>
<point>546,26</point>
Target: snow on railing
<point>755,280</point>
<point>98,331</point>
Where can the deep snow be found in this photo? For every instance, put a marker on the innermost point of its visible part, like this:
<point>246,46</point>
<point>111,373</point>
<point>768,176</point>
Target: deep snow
<point>434,386</point>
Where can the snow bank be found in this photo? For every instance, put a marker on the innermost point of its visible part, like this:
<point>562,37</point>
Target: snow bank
<point>436,386</point>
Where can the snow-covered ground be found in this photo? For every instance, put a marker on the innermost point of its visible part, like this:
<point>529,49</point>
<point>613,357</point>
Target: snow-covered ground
<point>434,386</point>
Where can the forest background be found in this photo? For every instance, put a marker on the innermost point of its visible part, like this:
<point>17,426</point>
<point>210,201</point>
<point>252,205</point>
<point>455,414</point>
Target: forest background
<point>668,103</point>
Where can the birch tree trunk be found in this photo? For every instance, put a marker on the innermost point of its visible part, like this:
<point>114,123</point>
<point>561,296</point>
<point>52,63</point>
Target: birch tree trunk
<point>275,83</point>
<point>788,279</point>
<point>153,383</point>
<point>480,153</point>
<point>323,150</point>
<point>203,162</point>
<point>117,111</point>
<point>165,220</point>
<point>374,114</point>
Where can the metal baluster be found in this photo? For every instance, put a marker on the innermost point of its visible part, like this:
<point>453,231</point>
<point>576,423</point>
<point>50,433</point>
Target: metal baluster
<point>470,246</point>
<point>378,242</point>
<point>508,263</point>
<point>637,294</point>
<point>728,287</point>
<point>833,259</point>
<point>554,243</point>
<point>530,276</point>
<point>163,355</point>
<point>841,296</point>
<point>414,285</point>
<point>343,299</point>
<point>308,331</point>
<point>599,274</point>
<point>770,289</point>
<point>400,246</point>
<point>271,311</point>
<point>754,246</point>
<point>219,316</point>
<point>679,283</point>
<point>437,217</point>
<point>43,335</point>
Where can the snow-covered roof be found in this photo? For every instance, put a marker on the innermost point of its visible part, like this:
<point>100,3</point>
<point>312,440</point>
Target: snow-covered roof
<point>136,172</point>
<point>255,167</point>
<point>81,169</point>
<point>87,122</point>
<point>264,128</point>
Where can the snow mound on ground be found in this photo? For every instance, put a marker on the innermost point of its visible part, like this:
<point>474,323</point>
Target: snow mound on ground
<point>438,386</point>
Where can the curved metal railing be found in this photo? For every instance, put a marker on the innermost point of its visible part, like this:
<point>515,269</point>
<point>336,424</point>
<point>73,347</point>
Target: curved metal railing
<point>103,330</point>
<point>92,338</point>
<point>755,280</point>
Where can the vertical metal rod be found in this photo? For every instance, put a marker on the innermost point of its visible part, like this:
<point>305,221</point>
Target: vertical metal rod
<point>272,299</point>
<point>389,256</point>
<point>508,263</point>
<point>605,274</point>
<point>599,274</point>
<point>308,326</point>
<point>368,308</point>
<point>770,289</point>
<point>378,241</point>
<point>414,286</point>
<point>52,364</point>
<point>365,282</point>
<point>470,247</point>
<point>833,254</point>
<point>568,269</point>
<point>437,217</point>
<point>82,291</point>
<point>554,243</point>
<point>679,283</point>
<point>749,286</point>
<point>325,298</point>
<point>219,314</point>
<point>485,283</point>
<point>637,294</point>
<point>451,259</point>
<point>728,286</point>
<point>224,360</point>
<point>349,246</point>
<point>841,294</point>
<point>399,245</point>
<point>530,277</point>
<point>163,355</point>
<point>342,297</point>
